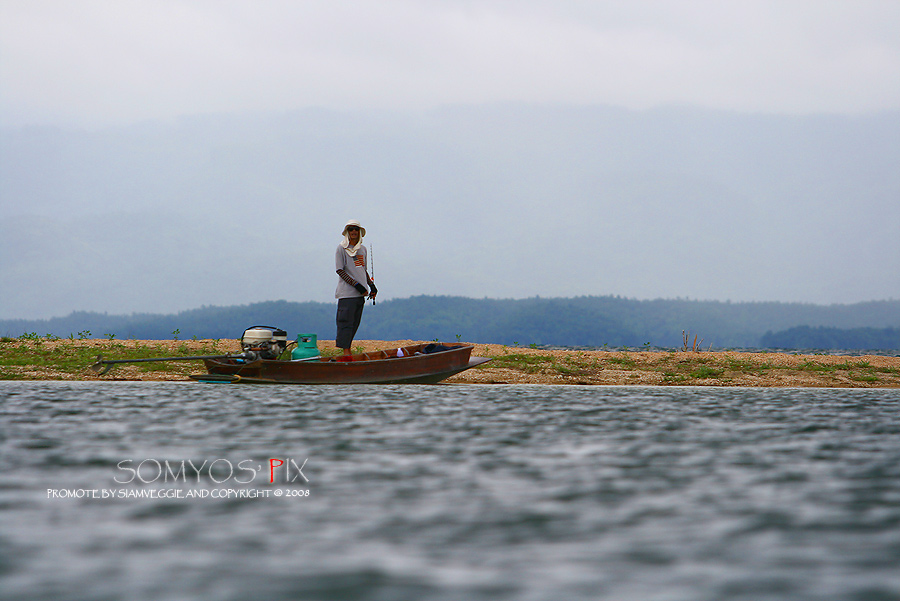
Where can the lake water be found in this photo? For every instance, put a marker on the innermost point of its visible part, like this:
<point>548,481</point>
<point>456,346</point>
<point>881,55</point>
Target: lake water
<point>447,492</point>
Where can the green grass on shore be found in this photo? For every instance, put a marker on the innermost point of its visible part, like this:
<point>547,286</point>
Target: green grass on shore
<point>35,358</point>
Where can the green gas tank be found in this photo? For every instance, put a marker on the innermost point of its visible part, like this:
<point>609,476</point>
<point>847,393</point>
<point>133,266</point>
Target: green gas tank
<point>307,348</point>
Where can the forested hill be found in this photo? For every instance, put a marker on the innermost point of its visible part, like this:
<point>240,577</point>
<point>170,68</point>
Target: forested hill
<point>582,321</point>
<point>829,338</point>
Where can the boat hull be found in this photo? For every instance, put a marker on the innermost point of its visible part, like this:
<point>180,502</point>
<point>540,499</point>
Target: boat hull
<point>416,366</point>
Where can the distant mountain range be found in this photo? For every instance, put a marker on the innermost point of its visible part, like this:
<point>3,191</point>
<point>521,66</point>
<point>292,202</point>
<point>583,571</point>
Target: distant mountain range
<point>582,321</point>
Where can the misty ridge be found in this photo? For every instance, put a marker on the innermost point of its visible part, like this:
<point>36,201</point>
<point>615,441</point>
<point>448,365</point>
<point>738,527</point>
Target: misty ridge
<point>501,201</point>
<point>583,321</point>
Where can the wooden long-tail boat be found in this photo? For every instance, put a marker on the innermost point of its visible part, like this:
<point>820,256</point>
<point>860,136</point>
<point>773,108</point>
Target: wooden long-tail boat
<point>414,364</point>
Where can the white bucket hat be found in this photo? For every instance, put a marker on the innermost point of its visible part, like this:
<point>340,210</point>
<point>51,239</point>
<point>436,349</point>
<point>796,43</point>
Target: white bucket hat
<point>362,230</point>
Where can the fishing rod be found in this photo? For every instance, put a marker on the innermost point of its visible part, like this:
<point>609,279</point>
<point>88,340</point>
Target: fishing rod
<point>372,265</point>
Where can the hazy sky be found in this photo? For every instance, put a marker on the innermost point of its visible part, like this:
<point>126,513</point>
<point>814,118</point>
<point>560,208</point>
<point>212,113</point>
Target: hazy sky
<point>99,62</point>
<point>682,202</point>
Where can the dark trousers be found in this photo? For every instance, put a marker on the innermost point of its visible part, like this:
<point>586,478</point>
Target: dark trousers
<point>349,314</point>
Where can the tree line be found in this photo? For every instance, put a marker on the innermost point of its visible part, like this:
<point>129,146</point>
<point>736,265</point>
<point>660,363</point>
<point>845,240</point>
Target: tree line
<point>593,321</point>
<point>806,337</point>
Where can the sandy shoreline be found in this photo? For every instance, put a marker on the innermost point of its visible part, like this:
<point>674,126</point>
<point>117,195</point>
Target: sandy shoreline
<point>668,368</point>
<point>517,365</point>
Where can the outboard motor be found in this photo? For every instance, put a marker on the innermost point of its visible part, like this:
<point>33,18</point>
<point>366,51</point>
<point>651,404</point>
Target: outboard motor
<point>264,342</point>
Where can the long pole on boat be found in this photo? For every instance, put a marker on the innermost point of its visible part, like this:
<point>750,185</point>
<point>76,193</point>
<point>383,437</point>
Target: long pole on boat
<point>102,366</point>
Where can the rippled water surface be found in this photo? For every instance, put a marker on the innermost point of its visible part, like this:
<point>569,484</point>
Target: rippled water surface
<point>447,492</point>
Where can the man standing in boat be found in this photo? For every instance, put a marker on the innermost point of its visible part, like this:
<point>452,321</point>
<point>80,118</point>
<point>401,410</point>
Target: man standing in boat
<point>354,284</point>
